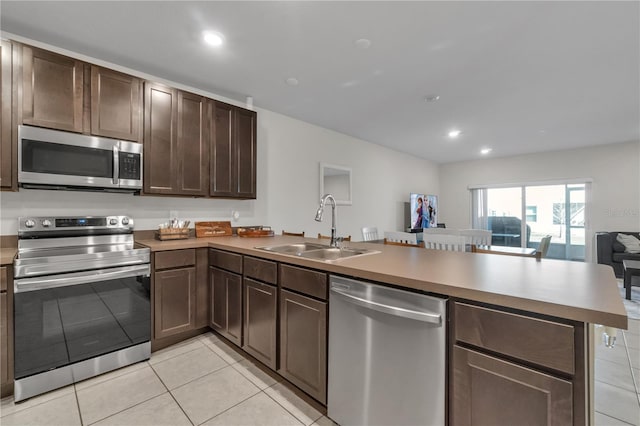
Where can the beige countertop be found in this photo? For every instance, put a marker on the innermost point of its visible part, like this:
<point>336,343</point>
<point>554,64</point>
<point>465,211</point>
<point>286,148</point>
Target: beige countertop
<point>579,291</point>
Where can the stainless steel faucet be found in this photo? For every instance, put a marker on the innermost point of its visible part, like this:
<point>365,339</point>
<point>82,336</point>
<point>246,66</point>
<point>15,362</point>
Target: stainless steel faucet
<point>323,201</point>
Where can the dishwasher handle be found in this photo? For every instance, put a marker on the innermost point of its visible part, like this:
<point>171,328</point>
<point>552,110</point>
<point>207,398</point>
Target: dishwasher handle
<point>388,309</point>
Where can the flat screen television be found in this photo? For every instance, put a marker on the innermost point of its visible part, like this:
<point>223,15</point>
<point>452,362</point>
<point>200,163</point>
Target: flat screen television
<point>424,211</point>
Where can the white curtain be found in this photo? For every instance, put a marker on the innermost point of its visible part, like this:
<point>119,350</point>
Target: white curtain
<point>479,210</point>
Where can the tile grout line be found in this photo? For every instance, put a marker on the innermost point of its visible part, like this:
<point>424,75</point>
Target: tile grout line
<point>235,405</point>
<point>75,393</point>
<point>34,405</point>
<point>192,380</point>
<point>134,405</point>
<point>609,415</point>
<point>170,394</point>
<point>624,337</point>
<point>124,409</point>
<point>177,355</point>
<point>285,408</point>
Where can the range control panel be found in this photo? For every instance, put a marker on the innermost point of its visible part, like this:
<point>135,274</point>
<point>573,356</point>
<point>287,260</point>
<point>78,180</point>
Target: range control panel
<point>49,224</point>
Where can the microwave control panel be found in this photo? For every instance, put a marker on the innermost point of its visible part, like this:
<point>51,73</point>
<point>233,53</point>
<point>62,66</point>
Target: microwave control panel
<point>129,166</point>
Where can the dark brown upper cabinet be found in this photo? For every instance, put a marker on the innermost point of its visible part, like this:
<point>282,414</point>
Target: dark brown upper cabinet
<point>58,92</point>
<point>233,152</point>
<point>116,104</point>
<point>6,140</point>
<point>176,142</point>
<point>52,90</point>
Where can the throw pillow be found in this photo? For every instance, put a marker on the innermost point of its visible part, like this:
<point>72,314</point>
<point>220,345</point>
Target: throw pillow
<point>631,243</point>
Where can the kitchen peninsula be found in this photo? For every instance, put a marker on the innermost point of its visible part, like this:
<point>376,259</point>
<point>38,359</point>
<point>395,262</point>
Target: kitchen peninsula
<point>514,323</point>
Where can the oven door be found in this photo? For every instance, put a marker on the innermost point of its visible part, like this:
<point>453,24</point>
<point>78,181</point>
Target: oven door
<point>68,318</point>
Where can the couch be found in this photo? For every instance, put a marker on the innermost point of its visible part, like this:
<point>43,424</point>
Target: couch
<point>611,252</point>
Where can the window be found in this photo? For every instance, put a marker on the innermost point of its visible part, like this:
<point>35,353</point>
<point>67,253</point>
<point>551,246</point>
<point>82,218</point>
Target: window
<point>522,215</point>
<point>532,213</point>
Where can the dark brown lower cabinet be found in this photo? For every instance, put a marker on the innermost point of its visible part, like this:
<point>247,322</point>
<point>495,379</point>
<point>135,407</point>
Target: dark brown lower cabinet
<point>226,304</point>
<point>490,391</point>
<point>260,316</point>
<point>175,301</point>
<point>303,343</point>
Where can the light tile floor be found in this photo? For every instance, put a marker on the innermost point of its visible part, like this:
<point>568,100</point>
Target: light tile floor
<point>617,379</point>
<point>199,381</point>
<point>203,381</point>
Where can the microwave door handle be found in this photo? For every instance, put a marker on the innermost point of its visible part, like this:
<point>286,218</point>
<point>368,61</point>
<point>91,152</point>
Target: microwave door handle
<point>116,165</point>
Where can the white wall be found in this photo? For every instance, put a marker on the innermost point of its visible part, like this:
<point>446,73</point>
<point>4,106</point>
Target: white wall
<point>289,153</point>
<point>381,178</point>
<point>614,168</point>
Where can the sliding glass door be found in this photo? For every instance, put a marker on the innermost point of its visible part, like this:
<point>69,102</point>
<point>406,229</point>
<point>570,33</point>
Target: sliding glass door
<point>521,216</point>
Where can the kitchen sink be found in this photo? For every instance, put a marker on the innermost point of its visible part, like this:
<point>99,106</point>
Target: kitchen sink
<point>294,249</point>
<point>331,253</point>
<point>317,251</point>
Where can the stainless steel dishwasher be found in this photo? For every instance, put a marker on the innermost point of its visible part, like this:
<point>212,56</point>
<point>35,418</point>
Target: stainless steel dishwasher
<point>386,355</point>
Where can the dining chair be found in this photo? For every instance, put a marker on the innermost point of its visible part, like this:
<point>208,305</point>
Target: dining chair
<point>476,237</point>
<point>328,237</point>
<point>369,234</point>
<point>444,242</point>
<point>401,237</point>
<point>396,243</point>
<point>293,234</point>
<point>543,248</point>
<point>441,231</point>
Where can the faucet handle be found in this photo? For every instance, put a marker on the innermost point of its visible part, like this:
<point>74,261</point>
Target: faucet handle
<point>339,241</point>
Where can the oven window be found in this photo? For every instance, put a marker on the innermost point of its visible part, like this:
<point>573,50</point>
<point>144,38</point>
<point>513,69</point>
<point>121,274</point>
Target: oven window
<point>59,159</point>
<point>60,326</point>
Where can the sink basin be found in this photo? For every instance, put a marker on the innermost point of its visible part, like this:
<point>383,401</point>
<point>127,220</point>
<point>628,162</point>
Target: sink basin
<point>328,254</point>
<point>317,251</point>
<point>294,249</point>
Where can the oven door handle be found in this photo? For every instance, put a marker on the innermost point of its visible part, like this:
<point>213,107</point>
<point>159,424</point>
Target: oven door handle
<point>24,285</point>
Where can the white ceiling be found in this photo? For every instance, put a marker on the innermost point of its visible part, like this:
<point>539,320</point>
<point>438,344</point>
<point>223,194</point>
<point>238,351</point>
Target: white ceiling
<point>518,77</point>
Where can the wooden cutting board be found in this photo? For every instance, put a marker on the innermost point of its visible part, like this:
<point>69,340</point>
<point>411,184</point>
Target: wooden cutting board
<point>213,229</point>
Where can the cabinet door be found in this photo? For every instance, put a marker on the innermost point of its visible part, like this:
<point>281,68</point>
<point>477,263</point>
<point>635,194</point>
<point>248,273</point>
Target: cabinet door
<point>260,314</point>
<point>116,104</point>
<point>202,287</point>
<point>303,343</point>
<point>245,153</point>
<point>222,151</point>
<point>6,142</point>
<point>160,165</point>
<point>481,384</point>
<point>192,147</point>
<point>175,301</point>
<point>52,90</point>
<point>226,304</point>
<point>4,352</point>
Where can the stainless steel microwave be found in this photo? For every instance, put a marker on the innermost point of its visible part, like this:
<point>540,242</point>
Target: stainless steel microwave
<point>60,160</point>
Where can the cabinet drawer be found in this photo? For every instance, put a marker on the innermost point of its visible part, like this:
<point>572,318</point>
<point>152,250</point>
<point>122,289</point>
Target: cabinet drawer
<point>259,269</point>
<point>4,278</point>
<point>225,260</point>
<point>534,340</point>
<point>305,281</point>
<point>175,258</point>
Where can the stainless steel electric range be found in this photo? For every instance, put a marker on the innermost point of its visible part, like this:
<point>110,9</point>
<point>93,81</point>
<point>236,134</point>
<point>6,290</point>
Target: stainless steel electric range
<point>81,300</point>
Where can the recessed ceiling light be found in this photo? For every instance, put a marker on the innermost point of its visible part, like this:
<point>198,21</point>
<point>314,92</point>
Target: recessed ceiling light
<point>485,151</point>
<point>292,81</point>
<point>432,98</point>
<point>213,39</point>
<point>363,43</point>
<point>454,133</point>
